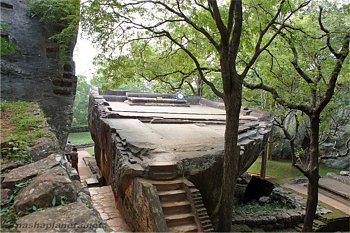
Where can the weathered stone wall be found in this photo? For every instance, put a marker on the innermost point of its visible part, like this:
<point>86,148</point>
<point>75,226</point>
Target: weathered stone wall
<point>33,71</point>
<point>279,219</point>
<point>205,174</point>
<point>141,204</point>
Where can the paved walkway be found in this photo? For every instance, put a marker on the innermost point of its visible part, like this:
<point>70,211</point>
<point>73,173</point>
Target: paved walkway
<point>84,170</point>
<point>104,203</point>
<point>102,198</point>
<point>327,199</point>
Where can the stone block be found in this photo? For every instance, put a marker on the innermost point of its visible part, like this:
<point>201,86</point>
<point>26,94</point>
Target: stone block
<point>53,184</point>
<point>20,174</point>
<point>74,217</point>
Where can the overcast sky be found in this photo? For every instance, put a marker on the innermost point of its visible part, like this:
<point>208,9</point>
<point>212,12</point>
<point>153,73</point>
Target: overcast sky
<point>83,56</point>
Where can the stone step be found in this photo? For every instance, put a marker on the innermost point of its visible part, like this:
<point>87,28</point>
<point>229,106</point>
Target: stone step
<point>163,185</point>
<point>335,186</point>
<point>162,167</point>
<point>179,219</point>
<point>162,171</point>
<point>172,195</point>
<point>176,207</point>
<point>162,175</point>
<point>92,182</point>
<point>194,190</point>
<point>184,228</point>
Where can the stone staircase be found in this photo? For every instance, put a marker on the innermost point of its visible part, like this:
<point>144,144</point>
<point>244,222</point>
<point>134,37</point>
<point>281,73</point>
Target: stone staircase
<point>181,202</point>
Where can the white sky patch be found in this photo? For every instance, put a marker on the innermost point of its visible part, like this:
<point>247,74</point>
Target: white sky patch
<point>84,53</point>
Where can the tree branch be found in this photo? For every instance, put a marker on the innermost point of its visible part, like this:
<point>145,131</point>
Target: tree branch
<point>344,52</point>
<point>258,47</point>
<point>218,20</point>
<point>301,169</point>
<point>304,108</point>
<point>337,55</point>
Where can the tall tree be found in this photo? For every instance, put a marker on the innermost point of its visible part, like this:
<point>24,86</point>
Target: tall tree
<point>318,60</point>
<point>117,23</point>
<point>160,69</point>
<point>81,102</point>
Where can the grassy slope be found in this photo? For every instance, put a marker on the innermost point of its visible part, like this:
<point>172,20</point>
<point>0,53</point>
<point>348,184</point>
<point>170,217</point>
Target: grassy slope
<point>22,124</point>
<point>280,171</point>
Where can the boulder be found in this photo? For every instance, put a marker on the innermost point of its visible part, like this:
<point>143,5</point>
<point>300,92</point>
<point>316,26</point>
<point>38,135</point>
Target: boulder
<point>257,188</point>
<point>5,196</point>
<point>74,217</point>
<point>344,173</point>
<point>340,162</point>
<point>46,190</point>
<point>20,174</point>
<point>44,146</point>
<point>264,200</point>
<point>10,165</point>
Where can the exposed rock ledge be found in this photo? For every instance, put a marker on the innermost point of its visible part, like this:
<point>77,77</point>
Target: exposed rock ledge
<point>54,190</point>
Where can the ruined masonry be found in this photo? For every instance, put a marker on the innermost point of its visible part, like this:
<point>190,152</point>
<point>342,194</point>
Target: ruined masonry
<point>162,155</point>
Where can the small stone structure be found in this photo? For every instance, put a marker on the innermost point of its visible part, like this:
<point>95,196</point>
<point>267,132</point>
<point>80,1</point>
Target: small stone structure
<point>154,136</point>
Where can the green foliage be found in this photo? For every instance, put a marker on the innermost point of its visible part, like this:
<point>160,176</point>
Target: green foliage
<point>274,68</point>
<point>5,45</point>
<point>81,102</point>
<point>62,13</point>
<point>254,207</point>
<point>62,201</point>
<point>8,213</point>
<point>23,124</point>
<point>16,150</point>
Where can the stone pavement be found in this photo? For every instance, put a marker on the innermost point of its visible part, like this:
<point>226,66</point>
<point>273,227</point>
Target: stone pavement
<point>302,188</point>
<point>335,186</point>
<point>102,198</point>
<point>104,203</point>
<point>84,170</point>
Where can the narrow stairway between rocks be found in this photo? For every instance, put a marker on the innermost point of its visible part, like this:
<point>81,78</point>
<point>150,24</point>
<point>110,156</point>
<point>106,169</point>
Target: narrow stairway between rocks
<point>181,202</point>
<point>102,196</point>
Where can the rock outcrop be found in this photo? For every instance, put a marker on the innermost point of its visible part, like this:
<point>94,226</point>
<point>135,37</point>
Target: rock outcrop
<point>33,71</point>
<point>75,217</point>
<point>155,136</point>
<point>50,188</point>
<point>23,173</point>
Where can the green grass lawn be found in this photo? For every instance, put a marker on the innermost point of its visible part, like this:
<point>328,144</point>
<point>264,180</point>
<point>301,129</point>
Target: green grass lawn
<point>90,150</point>
<point>80,138</point>
<point>281,171</point>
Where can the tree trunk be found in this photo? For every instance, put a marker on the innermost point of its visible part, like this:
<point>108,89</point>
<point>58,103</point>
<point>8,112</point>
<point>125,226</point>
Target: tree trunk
<point>231,156</point>
<point>312,174</point>
<point>292,149</point>
<point>199,87</point>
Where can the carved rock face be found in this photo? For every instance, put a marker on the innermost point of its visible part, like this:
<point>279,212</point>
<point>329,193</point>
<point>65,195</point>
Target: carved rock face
<point>33,71</point>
